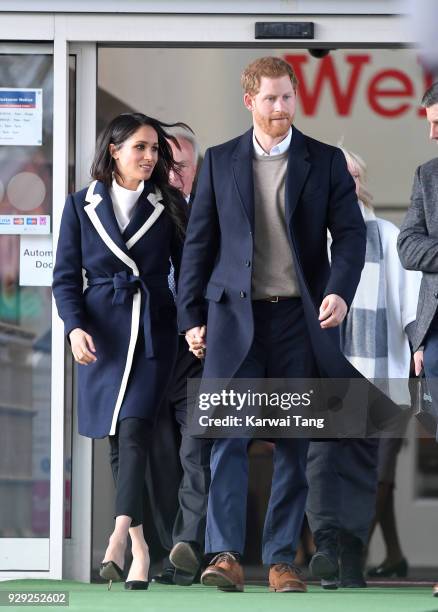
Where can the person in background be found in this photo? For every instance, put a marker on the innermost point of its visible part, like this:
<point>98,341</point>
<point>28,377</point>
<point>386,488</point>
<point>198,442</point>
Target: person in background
<point>187,157</point>
<point>418,250</point>
<point>343,474</point>
<point>123,230</point>
<point>189,525</point>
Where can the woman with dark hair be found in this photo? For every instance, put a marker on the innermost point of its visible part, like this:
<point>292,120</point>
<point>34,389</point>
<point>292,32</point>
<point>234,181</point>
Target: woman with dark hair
<point>122,231</point>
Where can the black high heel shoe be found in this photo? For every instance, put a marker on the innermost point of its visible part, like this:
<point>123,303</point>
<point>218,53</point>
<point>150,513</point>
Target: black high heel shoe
<point>136,585</point>
<point>399,570</point>
<point>110,571</point>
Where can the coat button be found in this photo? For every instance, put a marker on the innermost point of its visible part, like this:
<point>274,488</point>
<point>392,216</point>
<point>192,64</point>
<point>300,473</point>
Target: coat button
<point>247,263</point>
<point>435,295</point>
<point>242,294</point>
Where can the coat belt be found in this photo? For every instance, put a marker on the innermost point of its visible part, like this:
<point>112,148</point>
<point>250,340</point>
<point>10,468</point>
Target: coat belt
<point>125,285</point>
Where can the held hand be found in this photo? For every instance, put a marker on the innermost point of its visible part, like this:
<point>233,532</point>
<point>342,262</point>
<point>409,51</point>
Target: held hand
<point>418,362</point>
<point>332,311</point>
<point>82,346</point>
<point>196,339</point>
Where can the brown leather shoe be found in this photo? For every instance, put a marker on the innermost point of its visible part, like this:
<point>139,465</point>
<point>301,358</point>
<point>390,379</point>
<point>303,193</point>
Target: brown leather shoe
<point>435,590</point>
<point>283,578</point>
<point>224,572</point>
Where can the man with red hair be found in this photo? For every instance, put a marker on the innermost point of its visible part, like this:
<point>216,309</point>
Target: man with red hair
<point>256,253</point>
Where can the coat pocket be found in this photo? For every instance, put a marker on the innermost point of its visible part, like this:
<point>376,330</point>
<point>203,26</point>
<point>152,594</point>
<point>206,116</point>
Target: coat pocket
<point>214,292</point>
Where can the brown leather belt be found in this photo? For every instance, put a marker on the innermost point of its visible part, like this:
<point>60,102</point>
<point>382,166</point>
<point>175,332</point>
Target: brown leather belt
<point>274,298</point>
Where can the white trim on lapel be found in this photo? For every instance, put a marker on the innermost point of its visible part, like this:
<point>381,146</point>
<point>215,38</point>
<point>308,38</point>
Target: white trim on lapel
<point>90,209</point>
<point>154,199</point>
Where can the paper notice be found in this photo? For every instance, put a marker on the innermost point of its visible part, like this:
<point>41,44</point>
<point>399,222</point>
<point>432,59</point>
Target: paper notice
<point>21,116</point>
<point>36,261</point>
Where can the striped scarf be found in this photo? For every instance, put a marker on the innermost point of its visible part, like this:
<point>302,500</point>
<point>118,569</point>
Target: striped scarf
<point>364,333</point>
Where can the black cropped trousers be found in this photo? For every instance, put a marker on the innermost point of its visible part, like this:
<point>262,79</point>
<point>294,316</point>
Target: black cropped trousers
<point>128,458</point>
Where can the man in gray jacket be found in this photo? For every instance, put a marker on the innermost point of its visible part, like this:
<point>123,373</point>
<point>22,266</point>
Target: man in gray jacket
<point>418,250</point>
<point>418,246</point>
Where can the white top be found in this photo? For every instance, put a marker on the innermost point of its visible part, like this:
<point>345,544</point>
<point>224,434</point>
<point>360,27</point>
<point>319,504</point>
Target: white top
<point>124,201</point>
<point>279,148</point>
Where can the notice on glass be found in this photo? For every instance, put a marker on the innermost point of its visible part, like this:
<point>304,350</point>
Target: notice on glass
<point>36,261</point>
<point>21,116</point>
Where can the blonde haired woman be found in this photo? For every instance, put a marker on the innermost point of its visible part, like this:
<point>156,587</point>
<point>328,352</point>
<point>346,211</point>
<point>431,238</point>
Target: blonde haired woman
<point>343,475</point>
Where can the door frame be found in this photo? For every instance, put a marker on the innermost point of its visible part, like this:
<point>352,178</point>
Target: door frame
<point>80,33</point>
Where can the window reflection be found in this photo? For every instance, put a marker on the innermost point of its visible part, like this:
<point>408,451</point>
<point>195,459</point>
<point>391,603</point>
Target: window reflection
<point>25,320</point>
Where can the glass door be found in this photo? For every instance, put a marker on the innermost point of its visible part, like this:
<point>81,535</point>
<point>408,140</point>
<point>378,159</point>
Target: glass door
<point>26,158</point>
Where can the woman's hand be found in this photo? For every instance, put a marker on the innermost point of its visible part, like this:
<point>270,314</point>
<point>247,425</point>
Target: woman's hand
<point>82,346</point>
<point>418,361</point>
<point>195,338</point>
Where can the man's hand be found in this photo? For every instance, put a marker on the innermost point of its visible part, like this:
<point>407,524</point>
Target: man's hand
<point>196,339</point>
<point>332,311</point>
<point>418,362</point>
<point>82,346</point>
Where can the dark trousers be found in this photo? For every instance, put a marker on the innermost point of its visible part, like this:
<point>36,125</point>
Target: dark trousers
<point>342,477</point>
<point>194,454</point>
<point>431,356</point>
<point>164,480</point>
<point>128,457</point>
<point>281,349</point>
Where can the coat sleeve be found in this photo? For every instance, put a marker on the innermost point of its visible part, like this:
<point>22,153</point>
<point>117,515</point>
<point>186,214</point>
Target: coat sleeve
<point>67,274</point>
<point>348,232</point>
<point>200,251</point>
<point>417,250</point>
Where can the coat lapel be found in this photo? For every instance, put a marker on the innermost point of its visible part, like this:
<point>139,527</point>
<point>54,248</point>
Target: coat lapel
<point>142,210</point>
<point>101,214</point>
<point>297,170</point>
<point>243,174</point>
<point>105,212</point>
<point>149,208</point>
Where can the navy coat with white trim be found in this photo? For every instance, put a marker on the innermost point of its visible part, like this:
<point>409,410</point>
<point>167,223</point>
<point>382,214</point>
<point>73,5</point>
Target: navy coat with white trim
<point>218,251</point>
<point>127,307</point>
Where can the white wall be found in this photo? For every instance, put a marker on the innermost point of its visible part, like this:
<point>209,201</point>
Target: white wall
<point>201,87</point>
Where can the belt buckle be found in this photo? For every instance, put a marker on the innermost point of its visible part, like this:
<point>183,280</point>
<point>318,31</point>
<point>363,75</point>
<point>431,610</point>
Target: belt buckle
<point>273,299</point>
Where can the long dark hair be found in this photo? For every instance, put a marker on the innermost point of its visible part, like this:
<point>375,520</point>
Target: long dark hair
<point>117,132</point>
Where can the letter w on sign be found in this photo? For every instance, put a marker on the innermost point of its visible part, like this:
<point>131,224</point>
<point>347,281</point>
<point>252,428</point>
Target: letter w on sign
<point>326,72</point>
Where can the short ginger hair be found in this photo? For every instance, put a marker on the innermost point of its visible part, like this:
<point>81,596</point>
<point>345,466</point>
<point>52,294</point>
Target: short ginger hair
<point>271,67</point>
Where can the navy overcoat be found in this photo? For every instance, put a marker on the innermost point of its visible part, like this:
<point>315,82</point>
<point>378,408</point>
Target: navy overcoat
<point>215,280</point>
<point>127,306</point>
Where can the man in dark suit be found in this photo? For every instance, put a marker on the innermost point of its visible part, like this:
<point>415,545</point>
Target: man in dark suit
<point>256,252</point>
<point>186,530</point>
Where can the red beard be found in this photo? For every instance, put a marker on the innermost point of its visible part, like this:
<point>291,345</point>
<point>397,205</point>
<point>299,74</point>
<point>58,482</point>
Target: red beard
<point>273,126</point>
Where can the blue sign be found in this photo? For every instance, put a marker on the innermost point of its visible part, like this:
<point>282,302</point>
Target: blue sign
<point>17,99</point>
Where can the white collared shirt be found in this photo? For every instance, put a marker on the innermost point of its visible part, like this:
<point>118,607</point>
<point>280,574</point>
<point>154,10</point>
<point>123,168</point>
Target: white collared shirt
<point>279,148</point>
<point>124,201</point>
